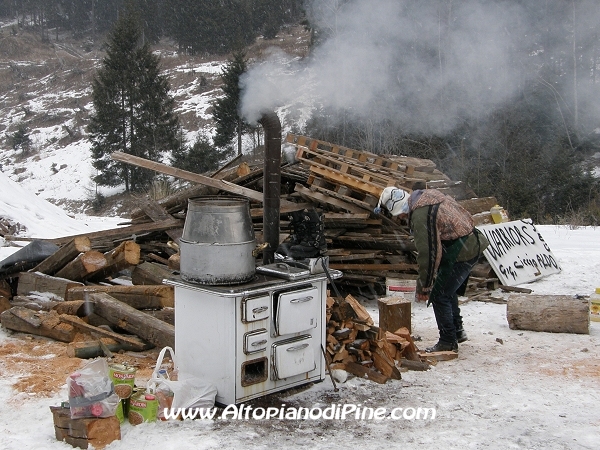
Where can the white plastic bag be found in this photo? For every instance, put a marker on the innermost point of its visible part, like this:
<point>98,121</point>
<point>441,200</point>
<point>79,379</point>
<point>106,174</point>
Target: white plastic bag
<point>91,392</point>
<point>183,392</point>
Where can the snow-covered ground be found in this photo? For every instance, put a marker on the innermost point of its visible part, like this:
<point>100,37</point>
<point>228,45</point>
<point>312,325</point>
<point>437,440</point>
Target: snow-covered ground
<point>507,389</point>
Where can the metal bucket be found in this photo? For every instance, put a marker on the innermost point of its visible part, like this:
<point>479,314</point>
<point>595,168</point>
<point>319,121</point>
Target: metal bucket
<point>217,241</point>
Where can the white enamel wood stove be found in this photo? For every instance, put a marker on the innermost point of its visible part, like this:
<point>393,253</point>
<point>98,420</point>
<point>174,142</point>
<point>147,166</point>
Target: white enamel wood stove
<point>251,339</point>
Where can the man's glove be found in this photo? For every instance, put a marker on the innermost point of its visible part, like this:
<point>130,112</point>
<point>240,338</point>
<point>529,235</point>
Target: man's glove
<point>377,210</point>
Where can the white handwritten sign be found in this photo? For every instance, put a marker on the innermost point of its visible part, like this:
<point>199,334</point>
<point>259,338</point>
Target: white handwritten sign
<point>518,253</point>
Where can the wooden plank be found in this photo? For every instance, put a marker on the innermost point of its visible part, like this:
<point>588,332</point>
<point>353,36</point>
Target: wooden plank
<point>345,196</point>
<point>323,199</point>
<point>348,180</point>
<point>374,267</point>
<point>438,356</point>
<point>190,176</point>
<point>122,232</point>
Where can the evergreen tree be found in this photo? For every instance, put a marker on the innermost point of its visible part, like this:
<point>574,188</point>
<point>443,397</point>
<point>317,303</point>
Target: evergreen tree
<point>20,139</point>
<point>201,157</point>
<point>134,112</point>
<point>229,123</point>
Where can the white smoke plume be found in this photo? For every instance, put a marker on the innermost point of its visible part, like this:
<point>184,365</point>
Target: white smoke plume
<point>423,65</point>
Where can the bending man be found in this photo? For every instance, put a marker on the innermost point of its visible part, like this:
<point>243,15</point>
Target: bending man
<point>448,247</point>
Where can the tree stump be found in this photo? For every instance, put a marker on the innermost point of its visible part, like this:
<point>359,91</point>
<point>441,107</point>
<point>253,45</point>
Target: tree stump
<point>394,313</point>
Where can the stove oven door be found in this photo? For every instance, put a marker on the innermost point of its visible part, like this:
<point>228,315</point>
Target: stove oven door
<point>296,311</point>
<point>292,357</point>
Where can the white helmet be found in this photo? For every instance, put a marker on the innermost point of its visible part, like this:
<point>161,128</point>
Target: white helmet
<point>395,200</point>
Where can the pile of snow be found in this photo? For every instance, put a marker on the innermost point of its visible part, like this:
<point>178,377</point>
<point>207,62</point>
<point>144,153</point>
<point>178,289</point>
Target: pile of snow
<point>35,217</point>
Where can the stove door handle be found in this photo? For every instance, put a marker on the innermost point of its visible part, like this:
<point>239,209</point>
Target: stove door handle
<point>302,299</point>
<point>297,347</point>
<point>260,309</point>
<point>259,343</point>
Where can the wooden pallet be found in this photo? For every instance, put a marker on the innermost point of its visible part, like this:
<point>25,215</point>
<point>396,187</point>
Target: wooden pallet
<point>364,158</point>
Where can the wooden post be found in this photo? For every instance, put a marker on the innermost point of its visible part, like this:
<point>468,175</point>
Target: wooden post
<point>139,297</point>
<point>40,323</point>
<point>64,255</point>
<point>125,255</point>
<point>39,282</point>
<point>394,313</point>
<point>551,313</point>
<point>85,264</point>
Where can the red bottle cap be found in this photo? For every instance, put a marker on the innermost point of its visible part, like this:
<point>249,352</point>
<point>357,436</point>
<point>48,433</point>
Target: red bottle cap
<point>97,409</point>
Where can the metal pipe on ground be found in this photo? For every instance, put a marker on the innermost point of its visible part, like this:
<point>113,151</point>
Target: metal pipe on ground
<point>271,184</point>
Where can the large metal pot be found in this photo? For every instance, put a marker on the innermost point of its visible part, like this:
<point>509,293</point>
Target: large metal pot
<point>217,241</point>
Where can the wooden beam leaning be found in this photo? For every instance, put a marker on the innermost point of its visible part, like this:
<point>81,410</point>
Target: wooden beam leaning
<point>190,176</point>
<point>122,232</point>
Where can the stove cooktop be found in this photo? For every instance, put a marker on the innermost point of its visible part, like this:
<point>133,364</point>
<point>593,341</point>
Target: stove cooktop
<point>259,282</point>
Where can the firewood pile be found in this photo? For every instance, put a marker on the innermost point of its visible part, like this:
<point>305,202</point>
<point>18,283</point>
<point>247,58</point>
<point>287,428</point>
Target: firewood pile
<point>108,284</point>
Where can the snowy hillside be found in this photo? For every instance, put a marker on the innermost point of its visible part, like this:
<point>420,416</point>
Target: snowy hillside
<point>47,88</point>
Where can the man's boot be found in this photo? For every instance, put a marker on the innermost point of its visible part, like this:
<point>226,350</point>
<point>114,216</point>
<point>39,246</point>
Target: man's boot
<point>307,239</point>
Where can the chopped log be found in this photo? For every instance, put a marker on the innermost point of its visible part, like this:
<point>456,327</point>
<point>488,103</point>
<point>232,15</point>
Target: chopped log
<point>415,365</point>
<point>150,273</point>
<point>174,262</point>
<point>125,255</point>
<point>64,255</point>
<point>93,349</point>
<point>83,265</point>
<point>75,321</point>
<point>385,365</point>
<point>411,350</point>
<point>394,313</point>
<point>97,432</point>
<point>362,314</point>
<point>364,372</point>
<point>40,323</point>
<point>138,297</point>
<point>550,313</point>
<point>38,282</point>
<point>124,316</point>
